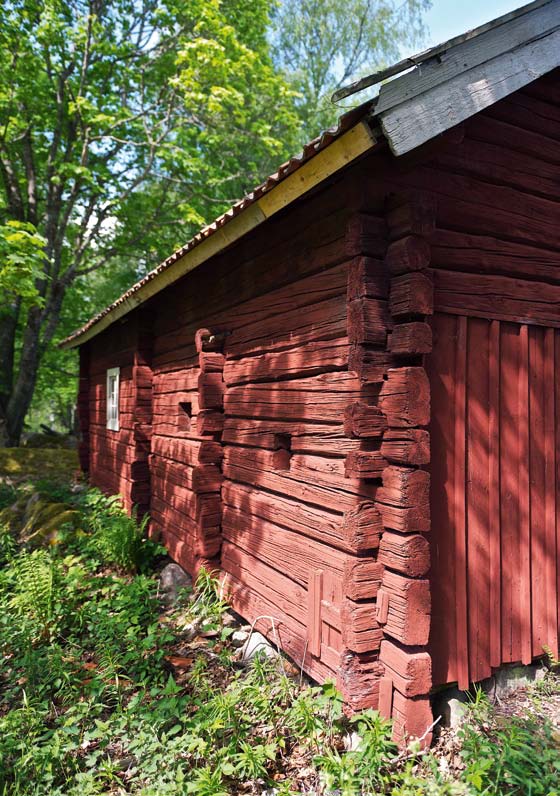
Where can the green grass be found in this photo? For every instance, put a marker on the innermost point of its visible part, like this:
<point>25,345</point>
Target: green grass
<point>102,693</point>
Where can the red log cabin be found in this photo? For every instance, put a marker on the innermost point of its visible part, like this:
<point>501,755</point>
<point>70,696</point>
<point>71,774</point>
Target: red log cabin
<point>344,394</point>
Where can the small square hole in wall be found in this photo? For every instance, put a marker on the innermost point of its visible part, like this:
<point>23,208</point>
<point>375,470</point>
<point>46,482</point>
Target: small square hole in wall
<point>283,451</point>
<point>185,415</point>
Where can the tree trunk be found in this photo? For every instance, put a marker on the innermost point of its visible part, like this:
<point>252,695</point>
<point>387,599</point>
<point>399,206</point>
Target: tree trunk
<point>8,328</point>
<point>39,330</point>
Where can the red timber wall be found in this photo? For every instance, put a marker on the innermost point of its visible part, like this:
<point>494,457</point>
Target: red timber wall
<point>285,437</point>
<point>118,461</point>
<point>291,429</point>
<point>258,478</point>
<point>495,387</point>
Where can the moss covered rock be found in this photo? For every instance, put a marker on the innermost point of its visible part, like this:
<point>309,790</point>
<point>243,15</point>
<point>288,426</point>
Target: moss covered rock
<point>43,520</point>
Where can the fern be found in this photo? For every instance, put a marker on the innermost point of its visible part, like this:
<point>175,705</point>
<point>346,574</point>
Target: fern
<point>119,539</point>
<point>37,590</point>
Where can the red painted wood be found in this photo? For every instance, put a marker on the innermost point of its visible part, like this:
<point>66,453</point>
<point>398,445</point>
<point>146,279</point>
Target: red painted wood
<point>459,509</point>
<point>494,542</point>
<point>299,478</point>
<point>494,485</point>
<point>477,496</point>
<point>552,549</point>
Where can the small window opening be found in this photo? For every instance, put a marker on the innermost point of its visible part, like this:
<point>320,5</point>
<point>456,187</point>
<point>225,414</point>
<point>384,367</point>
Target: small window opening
<point>186,406</point>
<point>113,377</point>
<point>185,415</point>
<point>283,451</point>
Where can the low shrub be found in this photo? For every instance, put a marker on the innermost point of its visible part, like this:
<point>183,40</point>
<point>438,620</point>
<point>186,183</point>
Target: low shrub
<point>514,755</point>
<point>118,538</point>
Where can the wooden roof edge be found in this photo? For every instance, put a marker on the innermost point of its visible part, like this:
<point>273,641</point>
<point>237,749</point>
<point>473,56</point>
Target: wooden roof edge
<point>341,150</point>
<point>470,76</point>
<point>420,58</point>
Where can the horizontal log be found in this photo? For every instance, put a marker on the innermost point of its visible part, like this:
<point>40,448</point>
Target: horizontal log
<point>410,215</point>
<point>412,718</point>
<point>313,479</point>
<point>364,421</point>
<point>365,464</point>
<point>357,530</point>
<point>323,320</point>
<point>358,680</point>
<point>314,438</point>
<point>493,163</point>
<point>407,254</point>
<point>406,446</point>
<point>322,398</point>
<point>472,204</point>
<point>369,364</point>
<point>199,507</point>
<point>209,421</point>
<point>497,297</point>
<point>210,391</point>
<point>361,577</point>
<point>368,321</point>
<point>409,608</point>
<point>410,672</point>
<point>211,361</point>
<point>200,544</point>
<point>409,339</point>
<point>259,605</point>
<point>476,253</point>
<point>188,451</point>
<point>408,554</point>
<point>314,242</point>
<point>184,380</point>
<point>120,451</point>
<point>253,313</point>
<point>360,630</point>
<point>405,397</point>
<point>500,127</point>
<point>366,234</point>
<point>404,486</point>
<point>411,294</point>
<point>289,551</point>
<point>205,526</point>
<point>308,359</point>
<point>405,520</point>
<point>203,478</point>
<point>367,278</point>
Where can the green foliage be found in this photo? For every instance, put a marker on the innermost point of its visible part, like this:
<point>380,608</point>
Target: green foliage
<point>8,495</point>
<point>513,755</point>
<point>8,545</point>
<point>22,255</point>
<point>125,126</point>
<point>323,45</point>
<point>37,591</point>
<point>38,464</point>
<point>118,538</point>
<point>91,702</point>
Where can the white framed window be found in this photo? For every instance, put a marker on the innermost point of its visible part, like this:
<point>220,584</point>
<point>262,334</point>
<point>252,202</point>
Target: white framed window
<point>113,376</point>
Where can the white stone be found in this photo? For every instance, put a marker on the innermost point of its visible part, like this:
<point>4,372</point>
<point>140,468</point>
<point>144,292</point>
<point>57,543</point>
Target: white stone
<point>239,638</point>
<point>257,644</point>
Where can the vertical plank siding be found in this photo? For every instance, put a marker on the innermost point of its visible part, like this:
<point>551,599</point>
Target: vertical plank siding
<point>495,468</point>
<point>495,542</point>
